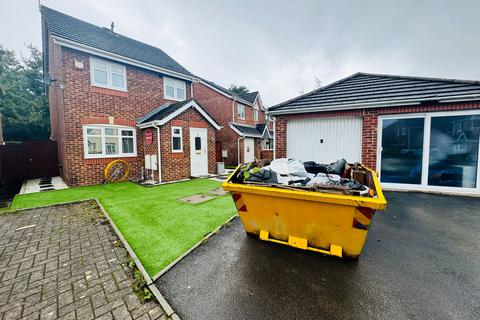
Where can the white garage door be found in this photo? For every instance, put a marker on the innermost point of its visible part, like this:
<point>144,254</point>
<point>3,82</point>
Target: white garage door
<point>325,140</point>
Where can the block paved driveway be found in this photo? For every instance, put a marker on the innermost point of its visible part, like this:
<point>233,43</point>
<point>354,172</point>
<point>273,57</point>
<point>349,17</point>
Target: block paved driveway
<point>65,262</point>
<point>421,261</point>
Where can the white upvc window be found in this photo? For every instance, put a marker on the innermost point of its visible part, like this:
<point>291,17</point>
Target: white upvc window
<point>267,144</point>
<point>255,115</point>
<point>177,141</point>
<point>108,75</point>
<point>101,141</point>
<point>240,111</point>
<point>174,89</point>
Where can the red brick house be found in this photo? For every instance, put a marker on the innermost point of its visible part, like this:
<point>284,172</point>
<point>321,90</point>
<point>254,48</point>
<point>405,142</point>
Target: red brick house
<point>418,133</point>
<point>246,132</point>
<point>112,97</point>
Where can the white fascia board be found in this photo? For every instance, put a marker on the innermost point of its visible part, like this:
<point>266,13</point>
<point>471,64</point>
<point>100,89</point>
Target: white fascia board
<point>244,134</point>
<point>184,108</point>
<point>236,130</point>
<point>224,94</point>
<point>116,57</point>
<point>367,105</point>
<point>148,124</point>
<point>176,113</point>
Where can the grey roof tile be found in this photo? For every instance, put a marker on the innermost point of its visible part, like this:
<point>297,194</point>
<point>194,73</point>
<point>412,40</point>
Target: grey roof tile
<point>247,130</point>
<point>375,88</point>
<point>78,31</point>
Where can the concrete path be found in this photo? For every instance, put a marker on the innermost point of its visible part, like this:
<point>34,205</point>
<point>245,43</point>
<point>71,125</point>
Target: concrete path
<point>421,261</point>
<point>65,262</point>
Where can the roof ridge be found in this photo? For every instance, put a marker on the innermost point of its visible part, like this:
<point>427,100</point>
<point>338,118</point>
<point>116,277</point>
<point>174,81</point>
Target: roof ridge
<point>313,91</point>
<point>419,78</point>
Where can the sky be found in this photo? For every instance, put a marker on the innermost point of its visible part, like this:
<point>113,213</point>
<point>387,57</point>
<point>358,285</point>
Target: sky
<point>280,47</point>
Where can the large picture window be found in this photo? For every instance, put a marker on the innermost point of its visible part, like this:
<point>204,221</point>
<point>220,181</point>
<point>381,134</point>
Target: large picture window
<point>430,151</point>
<point>109,141</point>
<point>174,89</point>
<point>108,75</point>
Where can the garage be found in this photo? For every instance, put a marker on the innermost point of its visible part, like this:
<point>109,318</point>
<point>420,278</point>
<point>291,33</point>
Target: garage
<point>418,133</point>
<point>318,139</point>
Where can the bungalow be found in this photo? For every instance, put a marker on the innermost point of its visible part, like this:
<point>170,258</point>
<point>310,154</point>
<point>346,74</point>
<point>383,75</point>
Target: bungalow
<point>418,133</point>
<point>112,97</point>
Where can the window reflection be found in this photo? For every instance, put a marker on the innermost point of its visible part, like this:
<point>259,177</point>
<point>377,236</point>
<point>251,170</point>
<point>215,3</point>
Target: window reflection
<point>454,151</point>
<point>402,150</point>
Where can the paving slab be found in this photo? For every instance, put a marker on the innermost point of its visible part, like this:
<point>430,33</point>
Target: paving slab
<point>64,261</point>
<point>421,261</point>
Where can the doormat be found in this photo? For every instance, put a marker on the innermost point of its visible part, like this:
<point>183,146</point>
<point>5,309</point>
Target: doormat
<point>196,198</point>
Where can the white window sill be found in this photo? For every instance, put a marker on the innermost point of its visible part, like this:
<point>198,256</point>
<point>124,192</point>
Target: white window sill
<point>107,87</point>
<point>101,156</point>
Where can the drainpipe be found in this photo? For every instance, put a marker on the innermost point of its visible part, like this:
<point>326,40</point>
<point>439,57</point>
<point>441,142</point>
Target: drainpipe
<point>159,154</point>
<point>274,137</point>
<point>238,148</point>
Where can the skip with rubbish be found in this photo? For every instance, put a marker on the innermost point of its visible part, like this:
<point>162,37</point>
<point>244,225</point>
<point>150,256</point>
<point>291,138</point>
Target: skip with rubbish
<point>326,208</point>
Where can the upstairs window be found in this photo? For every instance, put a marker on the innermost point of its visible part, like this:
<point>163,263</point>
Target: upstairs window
<point>177,143</point>
<point>108,75</point>
<point>255,115</point>
<point>240,111</point>
<point>109,142</point>
<point>174,89</point>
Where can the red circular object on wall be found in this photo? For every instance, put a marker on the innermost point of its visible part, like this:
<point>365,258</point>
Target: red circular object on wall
<point>148,137</point>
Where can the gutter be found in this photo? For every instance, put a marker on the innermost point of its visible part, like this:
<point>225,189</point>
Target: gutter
<point>369,105</point>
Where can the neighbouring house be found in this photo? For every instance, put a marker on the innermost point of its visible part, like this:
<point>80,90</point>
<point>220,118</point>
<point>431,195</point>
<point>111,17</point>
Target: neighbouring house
<point>418,133</point>
<point>112,97</point>
<point>246,133</point>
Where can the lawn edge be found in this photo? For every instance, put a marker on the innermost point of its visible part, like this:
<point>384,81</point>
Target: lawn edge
<point>196,245</point>
<point>158,295</point>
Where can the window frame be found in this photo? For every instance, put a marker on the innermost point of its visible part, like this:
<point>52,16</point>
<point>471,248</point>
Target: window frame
<point>270,147</point>
<point>176,85</point>
<point>104,154</point>
<point>109,71</point>
<point>255,115</point>
<point>238,111</point>
<point>177,135</point>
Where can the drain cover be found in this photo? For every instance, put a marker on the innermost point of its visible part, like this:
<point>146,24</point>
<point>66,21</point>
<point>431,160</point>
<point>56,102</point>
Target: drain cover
<point>217,192</point>
<point>196,198</point>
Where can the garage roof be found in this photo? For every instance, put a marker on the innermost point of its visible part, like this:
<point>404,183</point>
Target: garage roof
<point>366,90</point>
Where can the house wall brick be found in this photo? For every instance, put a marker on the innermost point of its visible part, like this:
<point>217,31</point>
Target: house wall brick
<point>81,103</point>
<point>370,124</point>
<point>176,165</point>
<point>220,107</point>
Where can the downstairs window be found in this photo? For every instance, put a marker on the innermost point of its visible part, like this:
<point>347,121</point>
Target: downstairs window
<point>109,141</point>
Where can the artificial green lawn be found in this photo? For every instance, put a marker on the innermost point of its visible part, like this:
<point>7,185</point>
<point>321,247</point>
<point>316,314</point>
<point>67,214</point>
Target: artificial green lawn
<point>157,226</point>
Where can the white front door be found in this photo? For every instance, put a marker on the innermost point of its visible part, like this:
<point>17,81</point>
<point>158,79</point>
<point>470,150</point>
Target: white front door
<point>198,152</point>
<point>248,150</point>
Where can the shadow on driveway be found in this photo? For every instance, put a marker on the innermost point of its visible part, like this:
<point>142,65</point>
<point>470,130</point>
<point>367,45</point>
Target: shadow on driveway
<point>421,261</point>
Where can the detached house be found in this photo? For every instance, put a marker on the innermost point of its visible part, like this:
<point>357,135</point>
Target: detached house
<point>112,97</point>
<point>246,133</point>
